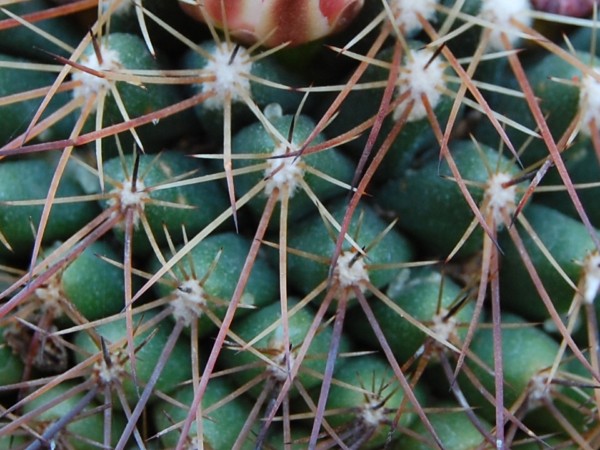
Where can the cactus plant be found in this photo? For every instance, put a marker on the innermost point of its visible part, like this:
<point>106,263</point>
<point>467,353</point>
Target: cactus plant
<point>403,177</point>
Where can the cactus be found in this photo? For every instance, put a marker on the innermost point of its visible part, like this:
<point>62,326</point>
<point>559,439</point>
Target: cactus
<point>299,224</point>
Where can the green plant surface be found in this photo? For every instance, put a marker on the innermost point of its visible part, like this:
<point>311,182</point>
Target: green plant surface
<point>272,347</point>
<point>151,343</point>
<point>84,432</point>
<point>423,295</point>
<point>235,204</point>
<point>18,221</point>
<point>203,281</point>
<point>166,210</point>
<point>221,425</point>
<point>454,426</point>
<point>363,404</point>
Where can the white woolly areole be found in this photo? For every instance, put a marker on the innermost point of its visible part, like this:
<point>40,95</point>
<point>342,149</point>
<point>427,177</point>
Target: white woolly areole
<point>109,373</point>
<point>444,327</point>
<point>92,85</point>
<point>589,103</point>
<point>279,369</point>
<point>230,75</point>
<point>194,444</point>
<point>420,76</point>
<point>51,294</point>
<point>499,198</point>
<point>126,198</point>
<point>591,277</point>
<point>350,271</point>
<point>407,12</point>
<point>283,172</point>
<point>501,13</point>
<point>189,300</point>
<point>538,390</point>
<point>373,414</point>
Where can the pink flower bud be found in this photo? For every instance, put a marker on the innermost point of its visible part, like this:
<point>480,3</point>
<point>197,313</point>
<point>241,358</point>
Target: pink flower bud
<point>273,22</point>
<point>575,8</point>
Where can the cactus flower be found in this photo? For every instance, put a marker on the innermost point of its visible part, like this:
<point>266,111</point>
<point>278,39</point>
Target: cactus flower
<point>273,22</point>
